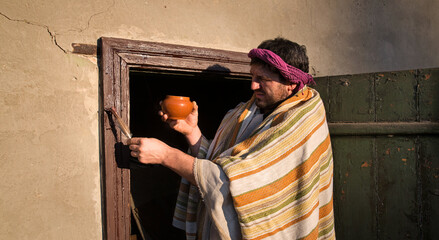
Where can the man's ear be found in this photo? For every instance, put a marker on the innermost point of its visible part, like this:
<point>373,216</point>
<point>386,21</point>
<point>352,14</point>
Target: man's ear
<point>291,87</point>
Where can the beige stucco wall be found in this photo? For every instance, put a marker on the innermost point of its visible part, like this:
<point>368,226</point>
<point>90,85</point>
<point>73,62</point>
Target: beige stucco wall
<point>49,144</point>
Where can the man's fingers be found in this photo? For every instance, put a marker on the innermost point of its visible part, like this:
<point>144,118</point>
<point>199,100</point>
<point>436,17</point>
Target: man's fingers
<point>195,106</point>
<point>134,153</point>
<point>134,147</point>
<point>163,115</point>
<point>135,141</point>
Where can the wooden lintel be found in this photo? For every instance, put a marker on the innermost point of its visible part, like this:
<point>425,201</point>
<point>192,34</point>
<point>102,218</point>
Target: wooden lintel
<point>84,49</point>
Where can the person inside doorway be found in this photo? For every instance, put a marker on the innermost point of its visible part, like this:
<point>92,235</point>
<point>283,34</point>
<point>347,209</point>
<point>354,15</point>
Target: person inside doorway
<point>268,171</point>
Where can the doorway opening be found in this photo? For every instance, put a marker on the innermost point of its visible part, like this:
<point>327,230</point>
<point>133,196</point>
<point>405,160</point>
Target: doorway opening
<point>154,188</point>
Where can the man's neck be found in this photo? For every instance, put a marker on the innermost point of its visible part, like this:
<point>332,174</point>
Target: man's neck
<point>268,110</point>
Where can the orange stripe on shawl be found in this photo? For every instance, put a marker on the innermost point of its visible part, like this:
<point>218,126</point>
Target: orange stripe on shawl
<point>313,235</point>
<point>243,145</point>
<point>325,210</point>
<point>300,96</point>
<point>232,140</point>
<point>292,223</point>
<point>237,127</point>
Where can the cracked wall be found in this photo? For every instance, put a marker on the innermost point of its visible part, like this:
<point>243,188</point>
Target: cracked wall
<point>49,150</point>
<point>49,164</point>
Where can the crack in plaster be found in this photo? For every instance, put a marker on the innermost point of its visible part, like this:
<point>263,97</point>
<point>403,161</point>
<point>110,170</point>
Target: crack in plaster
<point>80,30</point>
<point>94,15</point>
<point>52,35</point>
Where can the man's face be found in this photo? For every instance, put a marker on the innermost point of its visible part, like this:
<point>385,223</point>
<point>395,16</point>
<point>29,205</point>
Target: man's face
<point>268,88</point>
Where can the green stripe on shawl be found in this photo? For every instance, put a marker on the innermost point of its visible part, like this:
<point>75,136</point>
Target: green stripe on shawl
<point>325,165</point>
<point>326,230</point>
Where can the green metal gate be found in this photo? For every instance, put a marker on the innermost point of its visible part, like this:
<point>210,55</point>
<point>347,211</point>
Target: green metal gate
<point>385,135</point>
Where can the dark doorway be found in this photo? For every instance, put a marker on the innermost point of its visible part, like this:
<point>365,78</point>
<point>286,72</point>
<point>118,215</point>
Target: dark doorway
<point>155,188</point>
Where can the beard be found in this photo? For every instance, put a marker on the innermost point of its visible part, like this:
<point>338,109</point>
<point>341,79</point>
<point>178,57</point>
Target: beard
<point>269,101</point>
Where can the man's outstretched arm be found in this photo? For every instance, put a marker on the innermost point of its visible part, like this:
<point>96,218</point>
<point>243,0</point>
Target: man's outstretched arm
<point>154,151</point>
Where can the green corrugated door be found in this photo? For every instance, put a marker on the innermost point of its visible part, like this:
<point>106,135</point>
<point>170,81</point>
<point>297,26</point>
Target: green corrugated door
<point>385,135</point>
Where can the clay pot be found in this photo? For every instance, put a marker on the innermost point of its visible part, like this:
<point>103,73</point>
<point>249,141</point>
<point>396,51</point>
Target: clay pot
<point>177,107</point>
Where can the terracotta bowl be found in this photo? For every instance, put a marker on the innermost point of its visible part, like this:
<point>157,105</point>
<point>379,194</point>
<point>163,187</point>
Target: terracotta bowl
<point>177,107</point>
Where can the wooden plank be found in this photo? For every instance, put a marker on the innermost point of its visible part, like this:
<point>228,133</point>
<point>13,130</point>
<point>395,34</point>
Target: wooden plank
<point>184,63</point>
<point>351,98</point>
<point>397,188</point>
<point>384,128</point>
<point>85,49</point>
<point>116,180</point>
<point>110,196</point>
<point>396,96</point>
<point>354,187</point>
<point>429,94</point>
<point>429,164</point>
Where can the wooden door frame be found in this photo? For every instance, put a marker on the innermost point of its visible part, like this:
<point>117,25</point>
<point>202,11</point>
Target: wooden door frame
<point>117,57</point>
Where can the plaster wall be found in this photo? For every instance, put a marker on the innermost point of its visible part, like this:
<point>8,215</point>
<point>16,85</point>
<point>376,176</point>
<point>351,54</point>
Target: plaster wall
<point>49,139</point>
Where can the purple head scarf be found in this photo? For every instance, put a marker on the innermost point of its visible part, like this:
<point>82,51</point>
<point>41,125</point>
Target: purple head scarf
<point>290,73</point>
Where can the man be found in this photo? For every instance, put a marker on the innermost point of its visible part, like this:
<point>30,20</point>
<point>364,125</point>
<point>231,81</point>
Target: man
<point>268,171</point>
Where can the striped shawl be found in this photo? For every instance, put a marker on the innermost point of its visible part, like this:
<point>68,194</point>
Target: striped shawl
<point>280,177</point>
